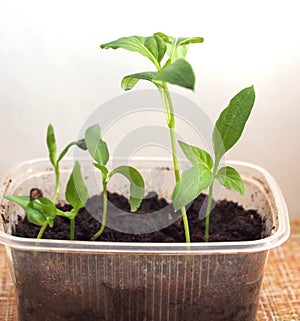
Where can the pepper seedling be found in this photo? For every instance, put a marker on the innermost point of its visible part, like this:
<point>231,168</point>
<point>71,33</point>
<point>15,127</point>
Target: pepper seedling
<point>168,56</point>
<point>42,211</point>
<point>97,148</point>
<point>52,149</point>
<point>205,170</point>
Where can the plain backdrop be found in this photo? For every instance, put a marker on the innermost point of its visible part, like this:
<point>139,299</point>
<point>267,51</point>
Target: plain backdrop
<point>52,70</point>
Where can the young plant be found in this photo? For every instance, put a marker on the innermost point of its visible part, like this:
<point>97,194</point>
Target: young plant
<point>205,170</point>
<point>99,151</point>
<point>42,211</point>
<point>52,149</point>
<point>76,195</point>
<point>173,70</point>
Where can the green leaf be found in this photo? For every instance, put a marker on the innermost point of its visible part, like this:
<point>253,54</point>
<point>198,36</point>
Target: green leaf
<point>23,201</point>
<point>103,169</point>
<point>191,183</point>
<point>230,177</point>
<point>51,144</point>
<point>137,185</point>
<point>179,73</point>
<point>128,82</point>
<point>196,155</point>
<point>152,47</point>
<point>45,206</point>
<point>167,39</point>
<point>95,145</point>
<point>34,216</point>
<point>182,46</point>
<point>76,190</point>
<point>177,48</point>
<point>156,46</point>
<point>171,48</point>
<point>187,41</point>
<point>179,53</point>
<point>38,218</point>
<point>231,122</point>
<point>40,211</point>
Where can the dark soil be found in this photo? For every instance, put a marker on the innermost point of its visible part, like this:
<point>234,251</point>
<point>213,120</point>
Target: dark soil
<point>228,222</point>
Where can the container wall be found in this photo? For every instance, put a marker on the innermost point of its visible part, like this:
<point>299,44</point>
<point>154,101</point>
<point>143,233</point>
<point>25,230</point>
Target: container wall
<point>74,287</point>
<point>75,281</point>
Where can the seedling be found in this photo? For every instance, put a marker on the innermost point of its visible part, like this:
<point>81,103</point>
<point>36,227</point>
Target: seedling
<point>205,170</point>
<point>168,56</point>
<point>42,211</point>
<point>99,151</point>
<point>76,195</point>
<point>52,149</point>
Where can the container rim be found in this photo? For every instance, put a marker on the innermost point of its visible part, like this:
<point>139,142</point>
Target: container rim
<point>265,244</point>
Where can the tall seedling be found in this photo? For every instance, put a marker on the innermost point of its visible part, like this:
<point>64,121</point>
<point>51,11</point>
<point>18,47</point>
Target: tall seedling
<point>168,56</point>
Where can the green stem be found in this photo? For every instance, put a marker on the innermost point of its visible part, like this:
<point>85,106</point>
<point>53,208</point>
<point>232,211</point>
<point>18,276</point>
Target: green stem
<point>169,111</point>
<point>186,225</point>
<point>208,210</point>
<point>174,154</point>
<point>57,183</point>
<point>42,230</point>
<point>209,201</point>
<point>57,172</point>
<point>103,223</point>
<point>72,229</point>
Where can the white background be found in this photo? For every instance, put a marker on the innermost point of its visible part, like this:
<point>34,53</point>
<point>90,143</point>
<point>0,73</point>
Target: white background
<point>53,71</point>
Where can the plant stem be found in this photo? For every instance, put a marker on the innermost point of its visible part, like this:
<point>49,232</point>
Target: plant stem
<point>174,154</point>
<point>169,111</point>
<point>209,201</point>
<point>207,214</point>
<point>72,229</point>
<point>56,169</point>
<point>104,215</point>
<point>42,230</point>
<point>57,183</point>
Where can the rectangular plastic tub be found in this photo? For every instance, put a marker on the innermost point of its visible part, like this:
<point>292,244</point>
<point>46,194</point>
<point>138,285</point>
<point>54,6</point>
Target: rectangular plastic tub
<point>77,280</point>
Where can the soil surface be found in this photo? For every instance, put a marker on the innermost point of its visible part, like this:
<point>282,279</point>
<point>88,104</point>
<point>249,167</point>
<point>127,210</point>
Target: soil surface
<point>228,222</point>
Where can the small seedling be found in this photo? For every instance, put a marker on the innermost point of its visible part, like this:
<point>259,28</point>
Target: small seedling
<point>76,195</point>
<point>168,56</point>
<point>227,131</point>
<point>42,211</point>
<point>99,152</point>
<point>52,149</point>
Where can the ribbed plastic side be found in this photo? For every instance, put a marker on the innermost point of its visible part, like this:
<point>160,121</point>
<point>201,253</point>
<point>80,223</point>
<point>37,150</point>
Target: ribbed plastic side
<point>75,281</point>
<point>73,287</point>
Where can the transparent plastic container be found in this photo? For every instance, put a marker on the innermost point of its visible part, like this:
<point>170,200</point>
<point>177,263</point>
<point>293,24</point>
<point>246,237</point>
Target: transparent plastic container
<point>79,280</point>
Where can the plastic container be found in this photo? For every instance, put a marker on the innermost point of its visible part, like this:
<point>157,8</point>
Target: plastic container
<point>75,281</point>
